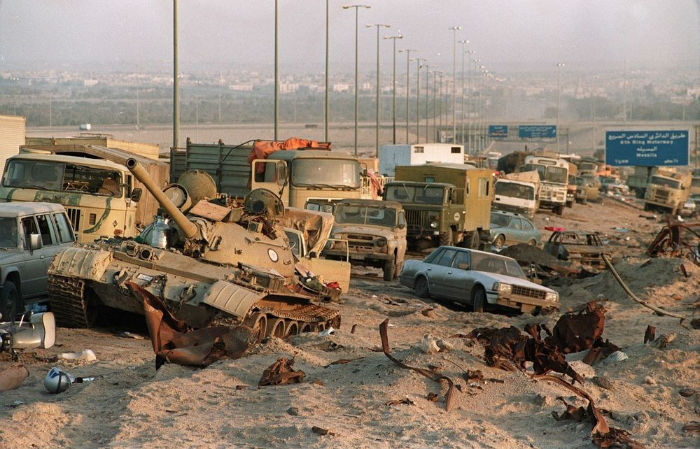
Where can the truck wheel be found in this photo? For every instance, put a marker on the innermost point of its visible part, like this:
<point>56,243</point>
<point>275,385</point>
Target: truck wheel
<point>420,287</point>
<point>474,240</point>
<point>389,270</point>
<point>478,300</point>
<point>446,239</point>
<point>8,301</point>
<point>500,240</point>
<point>559,210</point>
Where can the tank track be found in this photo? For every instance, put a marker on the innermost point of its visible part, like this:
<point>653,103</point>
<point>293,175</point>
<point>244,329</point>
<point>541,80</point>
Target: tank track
<point>68,302</point>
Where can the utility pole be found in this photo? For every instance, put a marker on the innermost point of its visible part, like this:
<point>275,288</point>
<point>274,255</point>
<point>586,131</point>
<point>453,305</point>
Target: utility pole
<point>464,44</point>
<point>357,7</point>
<point>418,67</point>
<point>376,140</point>
<point>454,80</point>
<point>176,93</point>
<point>408,85</point>
<point>559,66</point>
<point>325,100</point>
<point>427,102</point>
<point>393,87</point>
<point>277,78</point>
<point>435,84</point>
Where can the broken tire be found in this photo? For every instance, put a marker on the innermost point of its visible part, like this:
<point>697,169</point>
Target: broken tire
<point>420,288</point>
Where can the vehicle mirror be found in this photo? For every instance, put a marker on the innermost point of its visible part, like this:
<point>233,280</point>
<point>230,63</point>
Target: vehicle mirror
<point>136,194</point>
<point>453,196</point>
<point>34,242</point>
<point>401,225</point>
<point>463,266</point>
<point>281,173</point>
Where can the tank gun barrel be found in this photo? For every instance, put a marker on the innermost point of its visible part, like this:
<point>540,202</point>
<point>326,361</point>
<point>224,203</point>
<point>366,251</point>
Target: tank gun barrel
<point>188,228</point>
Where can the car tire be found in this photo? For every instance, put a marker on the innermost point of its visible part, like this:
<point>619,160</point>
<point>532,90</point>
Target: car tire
<point>559,210</point>
<point>389,270</point>
<point>420,287</point>
<point>499,241</point>
<point>478,300</point>
<point>8,301</point>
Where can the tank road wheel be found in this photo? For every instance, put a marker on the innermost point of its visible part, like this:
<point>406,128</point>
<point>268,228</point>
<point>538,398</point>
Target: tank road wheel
<point>306,327</point>
<point>292,329</point>
<point>319,327</point>
<point>478,300</point>
<point>258,322</point>
<point>276,328</point>
<point>8,301</point>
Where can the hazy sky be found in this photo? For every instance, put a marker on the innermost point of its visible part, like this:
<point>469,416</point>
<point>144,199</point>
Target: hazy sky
<point>506,34</point>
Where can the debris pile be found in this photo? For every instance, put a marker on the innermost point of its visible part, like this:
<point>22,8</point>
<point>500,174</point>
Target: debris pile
<point>281,373</point>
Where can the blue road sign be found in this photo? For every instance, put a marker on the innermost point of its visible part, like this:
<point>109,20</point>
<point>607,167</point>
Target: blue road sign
<point>498,130</point>
<point>537,131</point>
<point>646,148</point>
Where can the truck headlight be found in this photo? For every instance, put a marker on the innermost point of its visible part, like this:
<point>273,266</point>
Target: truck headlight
<point>552,296</point>
<point>434,224</point>
<point>381,242</point>
<point>500,287</point>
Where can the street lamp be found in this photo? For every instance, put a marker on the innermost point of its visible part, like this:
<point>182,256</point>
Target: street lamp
<point>378,26</point>
<point>427,101</point>
<point>357,8</point>
<point>471,126</point>
<point>176,94</point>
<point>559,66</point>
<point>277,77</point>
<point>393,87</point>
<point>418,67</point>
<point>464,44</point>
<point>454,79</point>
<point>325,100</point>
<point>408,85</point>
<point>435,104</point>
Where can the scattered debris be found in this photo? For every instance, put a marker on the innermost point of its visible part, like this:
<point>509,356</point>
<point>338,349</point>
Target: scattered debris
<point>510,344</point>
<point>405,401</point>
<point>575,332</point>
<point>603,382</point>
<point>281,373</point>
<point>174,341</point>
<point>676,239</point>
<point>58,381</point>
<point>650,334</point>
<point>354,327</point>
<point>321,431</point>
<point>686,392</point>
<point>429,312</point>
<point>86,355</point>
<point>618,356</point>
<point>383,327</point>
<point>127,334</point>
<point>666,340</point>
<point>294,411</point>
<point>327,332</point>
<point>432,345</point>
<point>343,361</point>
<point>12,377</point>
<point>693,427</point>
<point>432,397</point>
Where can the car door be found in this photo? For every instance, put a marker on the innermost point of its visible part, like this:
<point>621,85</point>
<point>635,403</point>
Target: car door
<point>516,230</point>
<point>459,281</point>
<point>32,268</point>
<point>438,277</point>
<point>51,246</point>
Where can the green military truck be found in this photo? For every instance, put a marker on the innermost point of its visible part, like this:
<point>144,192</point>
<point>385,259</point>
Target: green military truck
<point>445,204</point>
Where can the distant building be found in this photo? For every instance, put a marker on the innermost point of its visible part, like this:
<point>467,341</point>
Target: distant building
<point>240,87</point>
<point>13,130</point>
<point>341,87</point>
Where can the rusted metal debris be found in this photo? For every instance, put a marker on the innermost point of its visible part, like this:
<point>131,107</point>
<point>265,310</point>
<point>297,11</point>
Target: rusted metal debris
<point>321,431</point>
<point>602,435</point>
<point>449,397</point>
<point>281,373</point>
<point>575,332</point>
<point>650,334</point>
<point>174,341</point>
<point>677,239</point>
<point>405,401</point>
<point>510,344</point>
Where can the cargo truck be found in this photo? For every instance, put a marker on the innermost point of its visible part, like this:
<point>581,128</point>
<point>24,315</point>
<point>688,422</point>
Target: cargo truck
<point>554,173</point>
<point>517,192</point>
<point>445,204</point>
<point>667,191</point>
<point>391,156</point>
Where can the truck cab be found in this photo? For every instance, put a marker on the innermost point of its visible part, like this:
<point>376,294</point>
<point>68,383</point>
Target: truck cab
<point>554,174</point>
<point>667,192</point>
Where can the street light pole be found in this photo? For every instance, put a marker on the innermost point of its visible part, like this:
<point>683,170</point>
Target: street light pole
<point>427,102</point>
<point>464,44</point>
<point>277,78</point>
<point>454,80</point>
<point>325,100</point>
<point>435,109</point>
<point>376,140</point>
<point>559,66</point>
<point>357,7</point>
<point>176,93</point>
<point>418,67</point>
<point>393,88</point>
<point>408,84</point>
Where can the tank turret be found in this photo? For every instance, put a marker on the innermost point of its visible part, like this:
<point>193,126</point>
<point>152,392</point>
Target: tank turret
<point>188,228</point>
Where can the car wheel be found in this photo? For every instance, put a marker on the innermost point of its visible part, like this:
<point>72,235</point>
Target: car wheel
<point>8,301</point>
<point>420,288</point>
<point>389,270</point>
<point>500,240</point>
<point>478,299</point>
<point>532,242</point>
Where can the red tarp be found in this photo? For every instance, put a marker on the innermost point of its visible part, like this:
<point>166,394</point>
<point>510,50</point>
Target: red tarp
<point>263,148</point>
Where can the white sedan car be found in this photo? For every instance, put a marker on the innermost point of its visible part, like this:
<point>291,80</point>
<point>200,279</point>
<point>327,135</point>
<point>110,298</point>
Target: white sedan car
<point>478,278</point>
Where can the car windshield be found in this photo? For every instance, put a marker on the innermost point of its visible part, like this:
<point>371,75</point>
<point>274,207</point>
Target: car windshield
<point>496,264</point>
<point>426,194</point>
<point>61,177</point>
<point>339,173</point>
<point>378,216</point>
<point>8,232</point>
<point>499,220</point>
<point>512,189</point>
<point>548,173</point>
<point>665,182</point>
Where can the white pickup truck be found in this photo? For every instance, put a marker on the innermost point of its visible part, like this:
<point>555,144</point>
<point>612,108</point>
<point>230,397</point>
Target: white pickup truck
<point>518,193</point>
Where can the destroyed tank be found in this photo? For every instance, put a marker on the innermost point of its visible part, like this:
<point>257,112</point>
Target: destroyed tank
<point>212,264</point>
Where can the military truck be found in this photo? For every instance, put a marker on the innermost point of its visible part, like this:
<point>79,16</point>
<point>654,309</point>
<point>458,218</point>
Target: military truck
<point>214,263</point>
<point>667,191</point>
<point>518,193</point>
<point>295,175</point>
<point>445,204</point>
<point>375,232</point>
<point>99,195</point>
